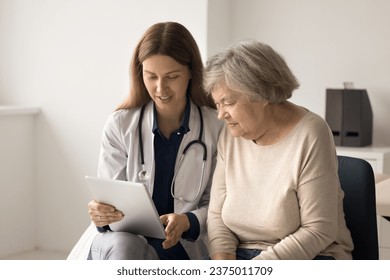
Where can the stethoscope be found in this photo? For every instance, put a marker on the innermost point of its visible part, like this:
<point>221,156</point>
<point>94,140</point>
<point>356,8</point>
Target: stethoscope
<point>144,175</point>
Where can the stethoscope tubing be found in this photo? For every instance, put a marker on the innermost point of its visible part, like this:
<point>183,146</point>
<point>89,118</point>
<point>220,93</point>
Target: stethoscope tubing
<point>144,175</point>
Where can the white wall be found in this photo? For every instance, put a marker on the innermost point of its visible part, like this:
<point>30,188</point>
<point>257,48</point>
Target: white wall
<point>218,25</point>
<point>326,42</point>
<point>17,194</point>
<point>71,58</point>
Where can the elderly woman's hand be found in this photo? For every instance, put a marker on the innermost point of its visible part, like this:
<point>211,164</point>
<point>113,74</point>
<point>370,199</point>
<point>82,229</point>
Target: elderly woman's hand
<point>103,214</point>
<point>176,224</point>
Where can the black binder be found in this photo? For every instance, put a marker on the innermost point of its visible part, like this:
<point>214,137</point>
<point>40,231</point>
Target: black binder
<point>349,116</point>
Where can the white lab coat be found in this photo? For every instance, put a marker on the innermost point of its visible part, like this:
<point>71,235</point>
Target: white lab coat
<point>120,159</point>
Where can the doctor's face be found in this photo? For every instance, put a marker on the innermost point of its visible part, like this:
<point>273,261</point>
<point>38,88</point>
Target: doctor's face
<point>166,80</point>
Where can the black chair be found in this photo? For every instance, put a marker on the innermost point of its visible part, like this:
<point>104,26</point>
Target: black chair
<point>358,183</point>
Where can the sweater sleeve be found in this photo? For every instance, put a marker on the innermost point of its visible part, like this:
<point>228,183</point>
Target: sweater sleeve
<point>318,227</point>
<point>221,238</point>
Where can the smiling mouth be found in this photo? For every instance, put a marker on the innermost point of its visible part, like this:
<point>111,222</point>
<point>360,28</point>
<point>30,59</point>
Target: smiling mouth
<point>165,98</point>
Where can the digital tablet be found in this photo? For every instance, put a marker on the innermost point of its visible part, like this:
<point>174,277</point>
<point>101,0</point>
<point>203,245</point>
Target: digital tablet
<point>133,200</point>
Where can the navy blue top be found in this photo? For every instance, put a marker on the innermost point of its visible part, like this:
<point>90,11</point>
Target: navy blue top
<point>165,153</point>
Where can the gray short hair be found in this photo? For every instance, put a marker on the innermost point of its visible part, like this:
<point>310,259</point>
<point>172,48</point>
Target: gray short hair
<point>252,68</point>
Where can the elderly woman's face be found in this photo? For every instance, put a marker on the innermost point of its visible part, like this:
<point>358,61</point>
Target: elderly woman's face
<point>243,118</point>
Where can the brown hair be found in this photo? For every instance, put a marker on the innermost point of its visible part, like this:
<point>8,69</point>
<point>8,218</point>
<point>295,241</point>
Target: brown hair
<point>174,40</point>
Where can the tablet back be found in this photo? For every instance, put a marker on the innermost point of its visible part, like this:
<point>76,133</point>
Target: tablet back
<point>133,200</point>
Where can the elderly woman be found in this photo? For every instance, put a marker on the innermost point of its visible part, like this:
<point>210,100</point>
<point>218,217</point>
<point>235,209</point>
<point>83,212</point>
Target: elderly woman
<point>275,192</point>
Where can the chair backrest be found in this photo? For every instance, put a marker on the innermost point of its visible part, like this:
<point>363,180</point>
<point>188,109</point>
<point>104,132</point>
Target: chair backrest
<point>358,183</point>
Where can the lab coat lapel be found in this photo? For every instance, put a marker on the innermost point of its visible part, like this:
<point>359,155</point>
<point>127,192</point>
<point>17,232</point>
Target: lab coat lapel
<point>148,142</point>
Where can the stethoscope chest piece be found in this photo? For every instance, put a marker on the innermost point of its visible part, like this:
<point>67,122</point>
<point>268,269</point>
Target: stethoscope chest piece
<point>144,175</point>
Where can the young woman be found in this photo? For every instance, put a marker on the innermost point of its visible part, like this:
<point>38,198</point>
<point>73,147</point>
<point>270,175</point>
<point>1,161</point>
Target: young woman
<point>164,135</point>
